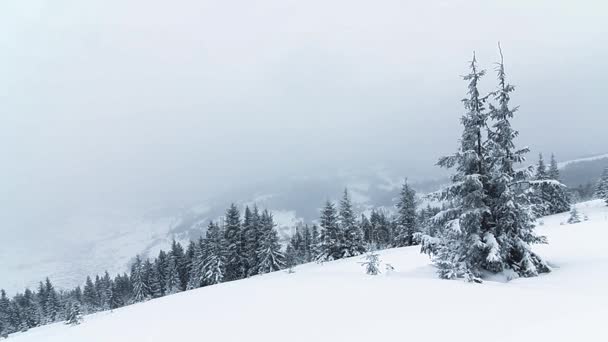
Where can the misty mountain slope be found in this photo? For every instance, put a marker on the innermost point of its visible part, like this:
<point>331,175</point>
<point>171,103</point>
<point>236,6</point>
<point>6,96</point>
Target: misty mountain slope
<point>337,301</point>
<point>92,243</point>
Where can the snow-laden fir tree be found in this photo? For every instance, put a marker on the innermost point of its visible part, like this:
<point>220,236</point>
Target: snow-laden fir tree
<point>406,224</point>
<point>269,251</point>
<point>140,288</point>
<point>215,256</point>
<point>372,263</point>
<point>195,279</point>
<point>52,304</point>
<point>234,244</point>
<point>74,315</point>
<point>601,189</point>
<point>352,236</point>
<point>172,284</point>
<point>330,244</point>
<point>180,263</point>
<point>548,195</point>
<point>510,232</point>
<point>89,296</point>
<point>462,252</point>
<point>6,326</point>
<point>553,172</point>
<point>541,168</point>
<point>574,216</point>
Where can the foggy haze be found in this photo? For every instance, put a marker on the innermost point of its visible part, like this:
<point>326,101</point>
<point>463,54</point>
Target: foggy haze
<point>141,104</point>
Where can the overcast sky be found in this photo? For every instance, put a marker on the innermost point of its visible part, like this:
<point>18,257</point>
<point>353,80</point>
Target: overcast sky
<point>144,103</point>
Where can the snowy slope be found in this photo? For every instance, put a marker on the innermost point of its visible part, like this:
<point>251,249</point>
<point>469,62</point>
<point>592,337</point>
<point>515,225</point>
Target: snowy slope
<point>337,302</point>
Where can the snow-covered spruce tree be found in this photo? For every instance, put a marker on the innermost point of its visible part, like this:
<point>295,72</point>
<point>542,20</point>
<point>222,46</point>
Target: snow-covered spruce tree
<point>330,244</point>
<point>548,195</point>
<point>234,244</point>
<point>269,251</point>
<point>406,224</point>
<point>89,296</point>
<point>510,232</point>
<point>172,284</point>
<point>352,236</point>
<point>140,288</point>
<point>372,263</point>
<point>6,326</point>
<point>195,279</point>
<point>251,235</point>
<point>160,264</point>
<point>214,265</point>
<point>574,216</point>
<point>52,304</point>
<point>601,189</point>
<point>462,252</point>
<point>74,316</point>
<point>553,172</point>
<point>180,262</point>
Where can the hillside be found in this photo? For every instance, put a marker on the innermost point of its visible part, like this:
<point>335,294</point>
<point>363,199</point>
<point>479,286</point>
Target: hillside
<point>337,301</point>
<point>93,242</point>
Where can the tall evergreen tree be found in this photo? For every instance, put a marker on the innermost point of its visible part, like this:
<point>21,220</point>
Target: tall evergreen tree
<point>141,290</point>
<point>269,251</point>
<point>548,195</point>
<point>541,168</point>
<point>406,224</point>
<point>173,281</point>
<point>196,268</point>
<point>6,326</point>
<point>601,189</point>
<point>89,296</point>
<point>352,236</point>
<point>215,259</point>
<point>234,243</point>
<point>180,263</point>
<point>511,232</point>
<point>553,172</point>
<point>52,305</point>
<point>462,252</point>
<point>330,245</point>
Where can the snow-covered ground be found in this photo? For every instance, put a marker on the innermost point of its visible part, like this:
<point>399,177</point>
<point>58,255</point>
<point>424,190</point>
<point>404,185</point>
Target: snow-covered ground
<point>337,301</point>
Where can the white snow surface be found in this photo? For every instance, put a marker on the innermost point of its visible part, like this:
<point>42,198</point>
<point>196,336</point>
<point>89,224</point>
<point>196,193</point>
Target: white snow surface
<point>337,301</point>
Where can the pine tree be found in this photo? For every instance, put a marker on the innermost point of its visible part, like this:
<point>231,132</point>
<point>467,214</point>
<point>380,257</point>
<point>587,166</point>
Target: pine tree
<point>553,172</point>
<point>406,217</point>
<point>196,267</point>
<point>269,252</point>
<point>215,260</point>
<point>372,263</point>
<point>173,282</point>
<point>601,189</point>
<point>352,236</point>
<point>105,291</point>
<point>574,216</point>
<point>234,251</point>
<point>541,168</point>
<point>180,263</point>
<point>462,253</point>
<point>549,196</point>
<point>160,265</point>
<point>6,326</point>
<point>89,296</point>
<point>74,316</point>
<point>330,247</point>
<point>508,238</point>
<point>51,303</point>
<point>141,290</point>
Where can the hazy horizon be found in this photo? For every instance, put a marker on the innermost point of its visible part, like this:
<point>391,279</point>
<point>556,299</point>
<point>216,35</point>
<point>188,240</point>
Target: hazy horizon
<point>138,104</point>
